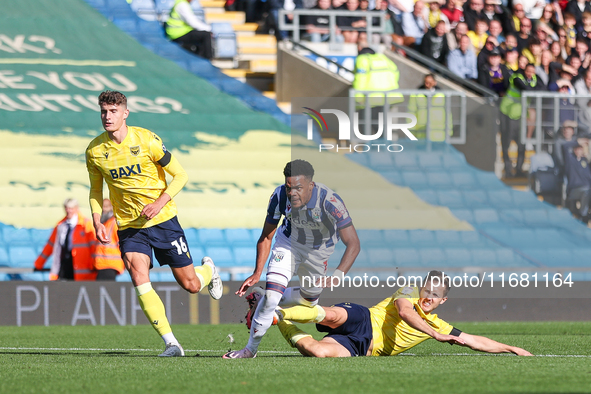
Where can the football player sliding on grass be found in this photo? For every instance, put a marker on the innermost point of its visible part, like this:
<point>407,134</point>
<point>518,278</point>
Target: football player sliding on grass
<point>391,327</point>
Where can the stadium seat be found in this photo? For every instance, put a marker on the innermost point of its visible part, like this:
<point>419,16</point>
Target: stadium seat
<point>511,215</point>
<point>414,179</point>
<point>427,160</point>
<point>463,214</point>
<point>422,237</point>
<point>35,276</point>
<point>451,198</point>
<point>4,259</point>
<point>381,257</point>
<point>211,237</point>
<point>450,161</point>
<point>22,256</point>
<point>245,256</point>
<point>535,216</point>
<point>429,196</point>
<point>396,237</point>
<point>127,25</point>
<point>406,257</point>
<point>457,257</point>
<point>483,257</point>
<point>223,41</point>
<point>439,179</point>
<point>239,237</point>
<point>405,161</point>
<point>192,237</point>
<point>463,178</point>
<point>475,198</point>
<point>221,255</point>
<point>485,215</point>
<point>448,238</point>
<point>16,236</point>
<point>369,238</point>
<point>380,161</point>
<point>500,199</point>
<point>40,236</point>
<point>431,257</point>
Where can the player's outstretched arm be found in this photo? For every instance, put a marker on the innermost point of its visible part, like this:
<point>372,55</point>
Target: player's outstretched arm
<point>410,316</point>
<point>484,344</point>
<point>263,249</point>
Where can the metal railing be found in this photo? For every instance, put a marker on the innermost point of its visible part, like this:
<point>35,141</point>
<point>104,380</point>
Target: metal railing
<point>332,15</point>
<point>458,122</point>
<point>550,108</point>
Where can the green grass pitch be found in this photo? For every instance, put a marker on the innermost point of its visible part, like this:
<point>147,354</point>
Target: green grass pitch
<point>114,359</point>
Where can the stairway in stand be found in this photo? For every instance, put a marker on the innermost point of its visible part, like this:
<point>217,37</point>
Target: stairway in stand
<point>257,53</point>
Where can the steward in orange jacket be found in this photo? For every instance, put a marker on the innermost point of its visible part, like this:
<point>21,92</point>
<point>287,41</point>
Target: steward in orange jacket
<point>107,257</point>
<point>82,241</point>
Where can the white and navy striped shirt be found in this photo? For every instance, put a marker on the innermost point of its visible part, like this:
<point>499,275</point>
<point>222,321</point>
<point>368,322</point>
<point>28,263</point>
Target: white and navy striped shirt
<point>316,224</point>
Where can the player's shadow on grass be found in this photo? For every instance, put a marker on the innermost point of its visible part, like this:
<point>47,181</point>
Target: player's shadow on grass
<point>128,354</point>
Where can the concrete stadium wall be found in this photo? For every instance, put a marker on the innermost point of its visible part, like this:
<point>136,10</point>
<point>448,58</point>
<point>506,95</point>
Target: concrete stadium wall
<point>95,303</point>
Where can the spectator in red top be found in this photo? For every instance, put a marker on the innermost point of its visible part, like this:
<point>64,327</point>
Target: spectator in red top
<point>453,13</point>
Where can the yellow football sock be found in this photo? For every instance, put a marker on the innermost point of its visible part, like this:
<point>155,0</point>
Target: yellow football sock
<point>291,332</point>
<point>204,273</point>
<point>153,308</point>
<point>304,314</point>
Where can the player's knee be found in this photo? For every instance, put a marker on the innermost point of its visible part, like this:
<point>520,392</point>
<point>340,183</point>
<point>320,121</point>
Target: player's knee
<point>192,286</point>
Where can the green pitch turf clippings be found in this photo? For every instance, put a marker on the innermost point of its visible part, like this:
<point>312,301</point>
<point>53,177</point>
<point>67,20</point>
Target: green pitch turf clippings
<point>113,359</point>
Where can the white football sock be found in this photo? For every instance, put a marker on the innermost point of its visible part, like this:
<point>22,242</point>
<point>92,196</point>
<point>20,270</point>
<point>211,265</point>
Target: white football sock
<point>263,319</point>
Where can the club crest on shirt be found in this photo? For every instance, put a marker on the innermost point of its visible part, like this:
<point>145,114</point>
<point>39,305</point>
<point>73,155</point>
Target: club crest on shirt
<point>135,150</point>
<point>163,148</point>
<point>583,164</point>
<point>316,213</point>
<point>278,256</point>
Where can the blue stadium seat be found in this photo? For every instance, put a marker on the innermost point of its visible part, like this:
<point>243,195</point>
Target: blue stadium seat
<point>192,237</point>
<point>239,237</point>
<point>431,257</point>
<point>500,199</point>
<point>475,198</point>
<point>16,236</point>
<point>472,238</point>
<point>381,257</point>
<point>127,25</point>
<point>381,161</point>
<point>222,256</point>
<point>506,258</point>
<point>526,200</point>
<point>454,161</point>
<point>464,178</point>
<point>370,238</point>
<point>580,257</point>
<point>245,256</point>
<point>451,198</point>
<point>396,237</point>
<point>414,179</point>
<point>429,196</point>
<point>439,179</point>
<point>406,257</point>
<point>483,257</point>
<point>405,161</point>
<point>124,277</point>
<point>463,214</point>
<point>485,215</point>
<point>456,257</point>
<point>559,257</point>
<point>511,215</point>
<point>448,238</point>
<point>96,3</point>
<point>211,237</point>
<point>428,160</point>
<point>535,216</point>
<point>22,256</point>
<point>4,259</point>
<point>392,176</point>
<point>40,236</point>
<point>35,276</point>
<point>422,237</point>
<point>224,41</point>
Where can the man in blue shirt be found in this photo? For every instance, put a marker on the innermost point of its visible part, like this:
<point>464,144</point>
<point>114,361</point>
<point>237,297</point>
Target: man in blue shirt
<point>462,60</point>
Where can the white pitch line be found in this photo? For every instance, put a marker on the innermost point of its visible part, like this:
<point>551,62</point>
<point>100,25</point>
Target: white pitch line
<point>278,352</point>
<point>129,350</point>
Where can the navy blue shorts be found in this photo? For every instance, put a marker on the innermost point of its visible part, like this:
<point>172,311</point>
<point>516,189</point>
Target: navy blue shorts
<point>167,239</point>
<point>356,333</point>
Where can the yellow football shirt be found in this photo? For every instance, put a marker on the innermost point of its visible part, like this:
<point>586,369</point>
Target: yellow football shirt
<point>391,334</point>
<point>132,173</point>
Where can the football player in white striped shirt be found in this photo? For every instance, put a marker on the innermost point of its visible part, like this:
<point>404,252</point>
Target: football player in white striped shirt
<point>315,218</point>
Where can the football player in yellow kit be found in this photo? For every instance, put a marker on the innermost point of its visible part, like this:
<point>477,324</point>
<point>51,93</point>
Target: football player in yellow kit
<point>132,161</point>
<point>391,327</point>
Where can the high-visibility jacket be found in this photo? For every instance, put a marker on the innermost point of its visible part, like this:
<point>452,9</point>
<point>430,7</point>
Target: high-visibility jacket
<point>374,71</point>
<point>438,116</point>
<point>511,103</point>
<point>175,26</point>
<point>83,244</point>
<point>108,256</point>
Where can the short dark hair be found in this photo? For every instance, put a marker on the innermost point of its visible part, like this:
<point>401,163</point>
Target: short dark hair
<point>299,167</point>
<point>112,97</point>
<point>446,282</point>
